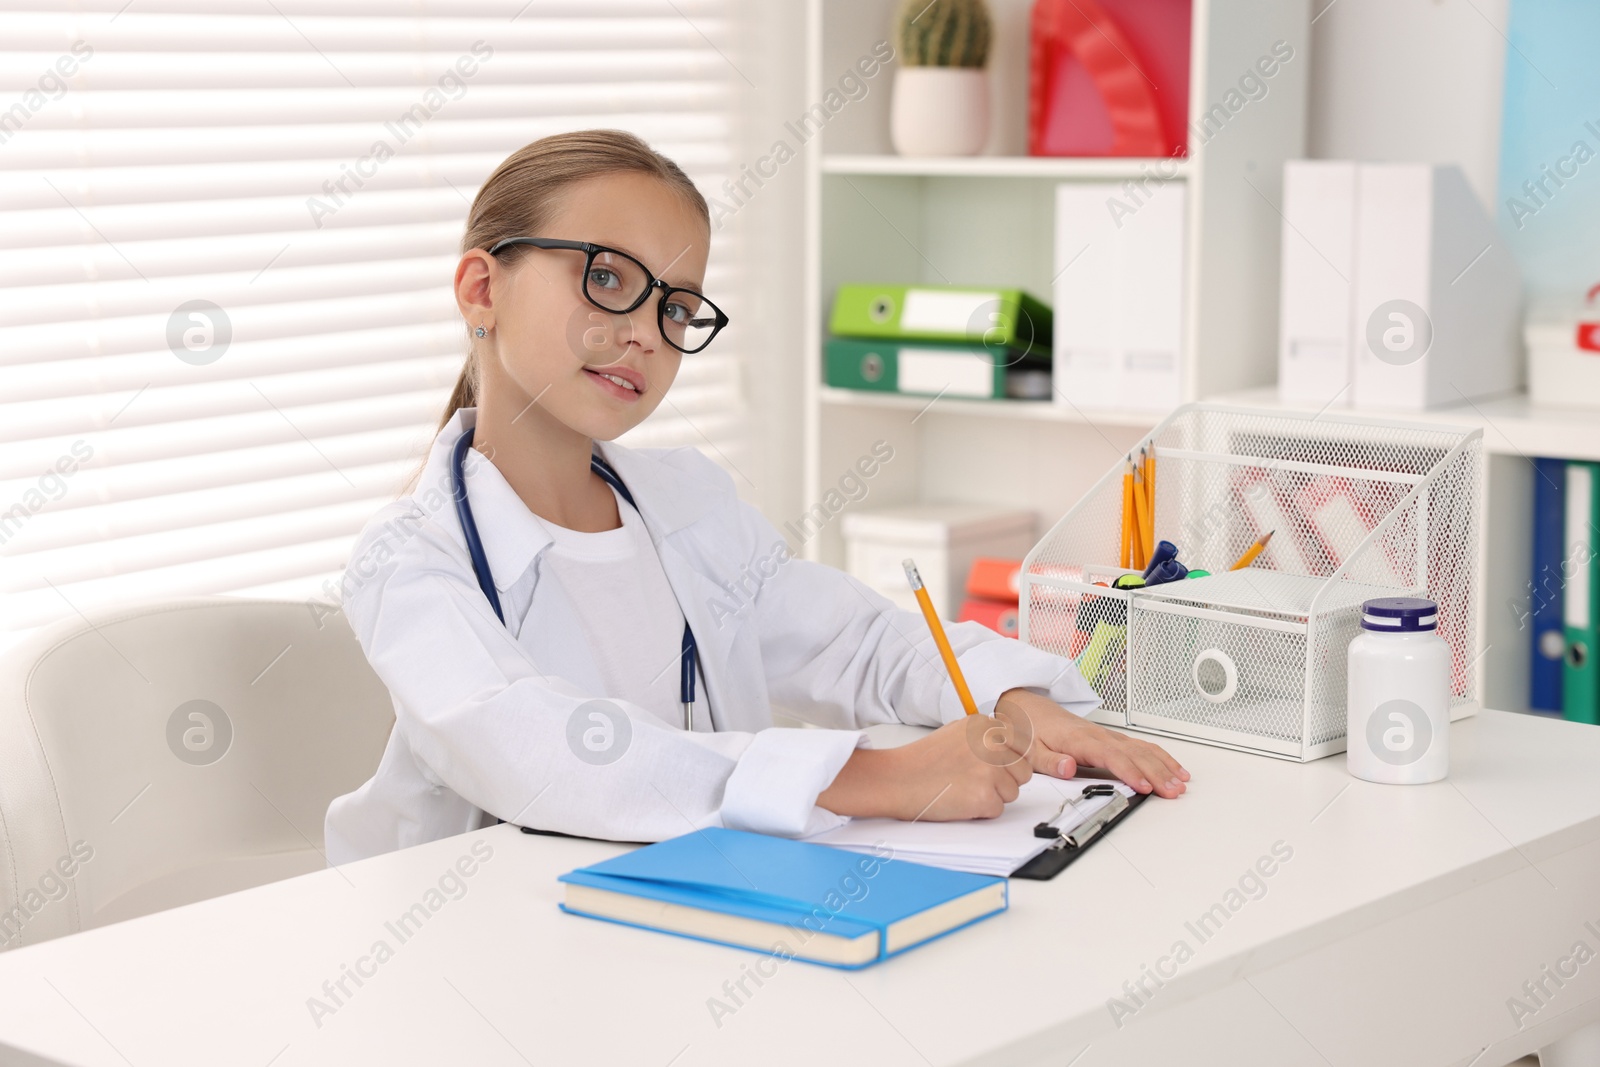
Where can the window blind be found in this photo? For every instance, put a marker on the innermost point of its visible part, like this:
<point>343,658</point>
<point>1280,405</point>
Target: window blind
<point>228,230</point>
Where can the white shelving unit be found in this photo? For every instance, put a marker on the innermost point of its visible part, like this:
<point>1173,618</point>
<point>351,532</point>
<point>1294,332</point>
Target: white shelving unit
<point>992,409</point>
<point>1002,167</point>
<point>989,221</point>
<point>1512,426</point>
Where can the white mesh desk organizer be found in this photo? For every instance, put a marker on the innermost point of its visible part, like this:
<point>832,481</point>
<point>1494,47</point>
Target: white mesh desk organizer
<point>1254,659</point>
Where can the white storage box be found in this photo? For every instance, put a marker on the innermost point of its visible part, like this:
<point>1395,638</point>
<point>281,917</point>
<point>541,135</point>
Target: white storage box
<point>1398,290</point>
<point>1564,357</point>
<point>1255,659</point>
<point>1118,338</point>
<point>944,539</point>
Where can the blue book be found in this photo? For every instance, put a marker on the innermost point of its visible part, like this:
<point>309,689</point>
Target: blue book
<point>1545,587</point>
<point>788,898</point>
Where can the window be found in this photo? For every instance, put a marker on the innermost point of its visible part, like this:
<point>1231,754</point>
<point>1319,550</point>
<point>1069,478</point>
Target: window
<point>227,238</point>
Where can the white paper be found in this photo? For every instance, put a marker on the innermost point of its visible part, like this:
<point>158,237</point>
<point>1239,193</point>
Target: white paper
<point>983,846</point>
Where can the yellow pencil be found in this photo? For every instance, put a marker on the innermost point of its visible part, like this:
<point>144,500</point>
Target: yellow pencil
<point>1150,485</point>
<point>1253,551</point>
<point>1147,466</point>
<point>945,653</point>
<point>1137,552</point>
<point>1127,516</point>
<point>1141,508</point>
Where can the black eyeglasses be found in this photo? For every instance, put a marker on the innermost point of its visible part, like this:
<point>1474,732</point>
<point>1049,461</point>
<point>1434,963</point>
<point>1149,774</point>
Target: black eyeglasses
<point>616,282</point>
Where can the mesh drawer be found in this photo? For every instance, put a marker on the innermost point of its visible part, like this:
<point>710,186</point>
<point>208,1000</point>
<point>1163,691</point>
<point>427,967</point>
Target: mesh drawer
<point>1088,624</point>
<point>1236,676</point>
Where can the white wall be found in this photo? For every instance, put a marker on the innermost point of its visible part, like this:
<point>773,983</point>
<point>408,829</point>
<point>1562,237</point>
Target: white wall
<point>770,52</point>
<point>1410,80</point>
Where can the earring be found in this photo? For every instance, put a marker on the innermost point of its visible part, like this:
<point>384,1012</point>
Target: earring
<point>480,331</point>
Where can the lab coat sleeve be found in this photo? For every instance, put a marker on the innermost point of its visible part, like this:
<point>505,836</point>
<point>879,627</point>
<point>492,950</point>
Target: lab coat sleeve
<point>840,654</point>
<point>523,746</point>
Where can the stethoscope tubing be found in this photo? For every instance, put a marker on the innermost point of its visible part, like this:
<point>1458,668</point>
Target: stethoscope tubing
<point>688,656</point>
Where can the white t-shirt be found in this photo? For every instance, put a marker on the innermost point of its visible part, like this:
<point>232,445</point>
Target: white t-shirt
<point>630,616</point>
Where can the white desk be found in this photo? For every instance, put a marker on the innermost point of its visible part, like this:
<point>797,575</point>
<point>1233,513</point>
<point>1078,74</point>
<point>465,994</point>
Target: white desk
<point>1404,921</point>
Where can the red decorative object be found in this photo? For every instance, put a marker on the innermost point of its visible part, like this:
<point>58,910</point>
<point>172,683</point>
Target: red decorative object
<point>998,615</point>
<point>994,579</point>
<point>1109,78</point>
<point>1588,334</point>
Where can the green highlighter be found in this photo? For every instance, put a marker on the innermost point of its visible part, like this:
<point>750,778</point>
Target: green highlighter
<point>994,317</point>
<point>1102,652</point>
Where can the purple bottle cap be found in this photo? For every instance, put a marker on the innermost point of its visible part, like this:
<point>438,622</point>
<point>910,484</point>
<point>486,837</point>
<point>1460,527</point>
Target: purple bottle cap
<point>1399,614</point>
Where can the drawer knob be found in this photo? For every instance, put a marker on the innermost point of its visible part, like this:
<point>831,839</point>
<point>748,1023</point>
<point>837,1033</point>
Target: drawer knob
<point>1216,678</point>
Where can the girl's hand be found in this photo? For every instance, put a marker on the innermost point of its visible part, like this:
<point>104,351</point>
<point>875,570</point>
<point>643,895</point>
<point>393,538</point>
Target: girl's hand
<point>963,770</point>
<point>1059,742</point>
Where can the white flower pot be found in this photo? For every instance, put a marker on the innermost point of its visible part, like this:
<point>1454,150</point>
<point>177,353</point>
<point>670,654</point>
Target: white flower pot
<point>939,111</point>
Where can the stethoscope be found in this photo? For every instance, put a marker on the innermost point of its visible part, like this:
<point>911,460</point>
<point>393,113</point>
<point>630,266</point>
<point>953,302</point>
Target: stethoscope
<point>688,657</point>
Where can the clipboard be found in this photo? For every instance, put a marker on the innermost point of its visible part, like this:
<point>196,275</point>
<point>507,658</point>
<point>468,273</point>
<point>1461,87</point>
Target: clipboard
<point>1043,866</point>
<point>1059,856</point>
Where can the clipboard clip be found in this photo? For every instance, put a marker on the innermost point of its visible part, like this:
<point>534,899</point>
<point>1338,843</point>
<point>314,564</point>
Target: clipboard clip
<point>1085,831</point>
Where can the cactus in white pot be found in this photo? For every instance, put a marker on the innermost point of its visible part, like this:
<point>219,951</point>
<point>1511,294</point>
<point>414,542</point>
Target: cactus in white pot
<point>941,88</point>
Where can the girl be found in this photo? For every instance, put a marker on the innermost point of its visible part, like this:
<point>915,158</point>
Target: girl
<point>552,613</point>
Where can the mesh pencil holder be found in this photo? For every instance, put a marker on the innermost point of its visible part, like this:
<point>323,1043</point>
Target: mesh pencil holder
<point>1254,659</point>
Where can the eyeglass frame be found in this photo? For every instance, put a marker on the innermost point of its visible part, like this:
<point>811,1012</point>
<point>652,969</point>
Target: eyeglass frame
<point>591,250</point>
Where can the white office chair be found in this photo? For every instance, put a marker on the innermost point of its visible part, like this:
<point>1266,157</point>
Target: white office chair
<point>161,753</point>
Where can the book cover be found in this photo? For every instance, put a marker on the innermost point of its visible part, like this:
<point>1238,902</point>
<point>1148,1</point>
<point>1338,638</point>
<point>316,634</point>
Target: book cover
<point>772,894</point>
<point>1545,585</point>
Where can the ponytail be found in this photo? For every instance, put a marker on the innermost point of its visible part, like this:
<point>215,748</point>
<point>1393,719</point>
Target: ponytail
<point>465,393</point>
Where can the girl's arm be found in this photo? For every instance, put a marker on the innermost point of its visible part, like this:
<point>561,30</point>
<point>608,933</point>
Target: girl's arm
<point>840,654</point>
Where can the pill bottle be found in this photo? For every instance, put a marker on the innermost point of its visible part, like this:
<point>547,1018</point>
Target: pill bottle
<point>1398,716</point>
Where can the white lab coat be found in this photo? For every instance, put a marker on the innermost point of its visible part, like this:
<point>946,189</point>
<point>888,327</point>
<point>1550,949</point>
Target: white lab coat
<point>482,724</point>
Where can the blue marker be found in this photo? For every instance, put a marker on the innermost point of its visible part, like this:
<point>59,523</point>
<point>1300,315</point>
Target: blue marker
<point>1168,571</point>
<point>1165,550</point>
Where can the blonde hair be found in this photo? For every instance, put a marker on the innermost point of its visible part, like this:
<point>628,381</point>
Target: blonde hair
<point>518,199</point>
